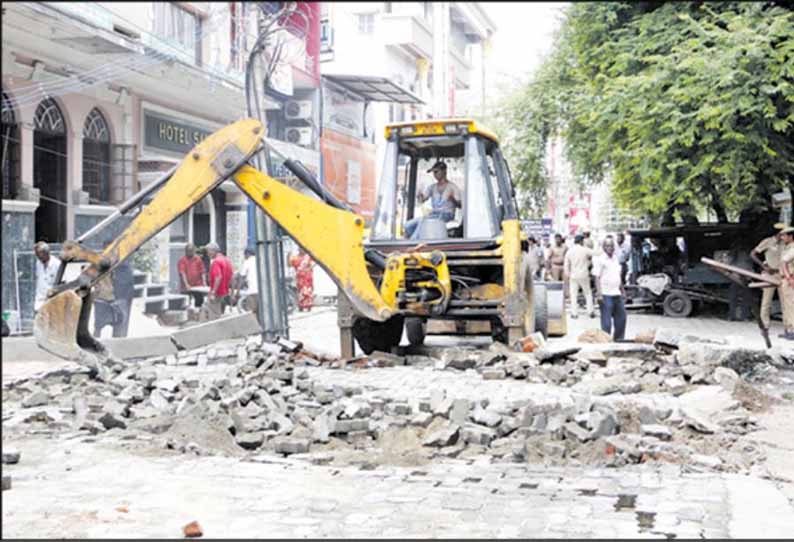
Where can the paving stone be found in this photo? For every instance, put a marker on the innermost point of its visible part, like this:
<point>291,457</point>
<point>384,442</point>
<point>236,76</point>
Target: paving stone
<point>112,421</point>
<point>574,431</point>
<point>6,482</point>
<point>485,417</point>
<point>493,374</point>
<point>398,409</point>
<point>10,456</point>
<point>698,422</point>
<point>445,436</point>
<point>251,440</point>
<point>229,327</point>
<point>423,419</point>
<point>342,427</point>
<point>477,434</point>
<point>602,424</point>
<point>287,445</point>
<point>662,432</point>
<point>460,411</point>
<point>36,399</point>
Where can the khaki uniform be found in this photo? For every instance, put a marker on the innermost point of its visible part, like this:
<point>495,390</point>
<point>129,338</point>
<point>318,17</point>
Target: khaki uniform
<point>771,249</point>
<point>577,269</point>
<point>558,261</point>
<point>787,288</point>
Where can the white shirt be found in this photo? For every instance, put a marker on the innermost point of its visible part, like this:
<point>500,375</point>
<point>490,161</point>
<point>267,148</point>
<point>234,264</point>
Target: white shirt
<point>607,272</point>
<point>249,272</point>
<point>577,261</point>
<point>45,279</point>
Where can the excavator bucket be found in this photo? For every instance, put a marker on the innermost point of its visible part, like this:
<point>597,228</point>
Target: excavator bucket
<point>61,326</point>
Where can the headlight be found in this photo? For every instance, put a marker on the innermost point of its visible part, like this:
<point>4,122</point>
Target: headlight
<point>407,130</point>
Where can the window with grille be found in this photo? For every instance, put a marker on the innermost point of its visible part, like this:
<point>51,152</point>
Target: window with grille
<point>176,24</point>
<point>48,118</point>
<point>241,30</point>
<point>10,150</point>
<point>366,23</point>
<point>96,158</point>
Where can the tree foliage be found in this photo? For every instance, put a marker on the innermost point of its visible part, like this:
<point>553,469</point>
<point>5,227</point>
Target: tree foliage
<point>676,102</point>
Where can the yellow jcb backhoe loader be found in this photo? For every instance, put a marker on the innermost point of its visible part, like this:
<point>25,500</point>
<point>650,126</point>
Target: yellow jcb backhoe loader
<point>382,282</point>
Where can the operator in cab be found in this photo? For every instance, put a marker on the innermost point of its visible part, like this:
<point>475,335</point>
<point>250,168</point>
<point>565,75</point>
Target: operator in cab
<point>444,196</point>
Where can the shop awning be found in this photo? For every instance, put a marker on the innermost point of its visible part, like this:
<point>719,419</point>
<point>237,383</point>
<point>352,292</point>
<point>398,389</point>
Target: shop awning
<point>374,89</point>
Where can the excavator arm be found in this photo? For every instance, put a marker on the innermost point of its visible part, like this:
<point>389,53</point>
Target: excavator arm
<point>332,236</point>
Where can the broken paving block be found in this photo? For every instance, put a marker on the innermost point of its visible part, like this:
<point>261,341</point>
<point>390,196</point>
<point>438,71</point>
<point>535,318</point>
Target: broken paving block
<point>422,419</point>
<point>349,426</point>
<point>460,411</point>
<point>445,436</point>
<point>36,399</point>
<point>288,445</point>
<point>489,418</point>
<point>250,440</point>
<point>662,432</point>
<point>6,482</point>
<point>574,431</point>
<point>493,374</point>
<point>110,420</point>
<point>10,456</point>
<point>477,434</point>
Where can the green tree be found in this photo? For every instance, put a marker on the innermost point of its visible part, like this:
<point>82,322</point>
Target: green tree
<point>677,102</point>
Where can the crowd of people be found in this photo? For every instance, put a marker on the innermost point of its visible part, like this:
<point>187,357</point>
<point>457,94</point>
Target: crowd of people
<point>582,269</point>
<point>213,285</point>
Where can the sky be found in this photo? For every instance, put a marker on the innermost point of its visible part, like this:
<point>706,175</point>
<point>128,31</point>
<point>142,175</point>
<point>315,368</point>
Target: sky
<point>524,34</point>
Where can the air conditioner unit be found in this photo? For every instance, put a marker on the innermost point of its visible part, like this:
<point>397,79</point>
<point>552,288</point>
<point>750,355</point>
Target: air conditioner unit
<point>298,109</point>
<point>299,136</point>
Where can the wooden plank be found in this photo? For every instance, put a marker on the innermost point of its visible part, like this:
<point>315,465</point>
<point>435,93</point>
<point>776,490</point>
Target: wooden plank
<point>740,271</point>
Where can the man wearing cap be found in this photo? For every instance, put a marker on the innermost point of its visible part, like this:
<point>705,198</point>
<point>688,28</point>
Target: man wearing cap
<point>444,196</point>
<point>787,282</point>
<point>770,248</point>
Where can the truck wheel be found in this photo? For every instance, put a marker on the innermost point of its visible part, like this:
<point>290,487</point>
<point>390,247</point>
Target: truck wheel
<point>415,330</point>
<point>541,302</point>
<point>677,304</point>
<point>383,336</point>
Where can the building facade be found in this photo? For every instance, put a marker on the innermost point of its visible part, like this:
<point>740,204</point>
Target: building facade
<point>435,50</point>
<point>99,99</point>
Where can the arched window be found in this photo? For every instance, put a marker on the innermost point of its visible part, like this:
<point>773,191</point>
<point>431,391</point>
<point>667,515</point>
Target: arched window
<point>10,150</point>
<point>49,118</point>
<point>96,157</point>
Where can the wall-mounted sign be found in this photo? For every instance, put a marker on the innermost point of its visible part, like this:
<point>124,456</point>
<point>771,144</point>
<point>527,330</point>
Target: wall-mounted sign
<point>163,132</point>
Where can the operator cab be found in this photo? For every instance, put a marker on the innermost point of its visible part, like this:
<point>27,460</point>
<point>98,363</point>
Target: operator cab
<point>441,180</point>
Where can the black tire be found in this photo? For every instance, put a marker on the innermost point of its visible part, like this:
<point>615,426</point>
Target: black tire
<point>541,303</point>
<point>415,330</point>
<point>383,336</point>
<point>677,304</point>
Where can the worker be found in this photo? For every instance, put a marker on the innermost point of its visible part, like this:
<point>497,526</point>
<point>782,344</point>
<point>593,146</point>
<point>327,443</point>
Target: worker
<point>249,292</point>
<point>587,242</point>
<point>304,278</point>
<point>623,249</point>
<point>577,271</point>
<point>610,291</point>
<point>221,272</point>
<point>770,248</point>
<point>192,273</point>
<point>536,259</point>
<point>444,196</point>
<point>787,282</point>
<point>124,293</point>
<point>46,271</point>
<point>557,257</point>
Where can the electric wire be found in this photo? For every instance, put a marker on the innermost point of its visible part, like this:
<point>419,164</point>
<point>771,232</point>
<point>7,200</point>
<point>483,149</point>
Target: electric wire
<point>36,91</point>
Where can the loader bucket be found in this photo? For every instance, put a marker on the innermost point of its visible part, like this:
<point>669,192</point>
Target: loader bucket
<point>61,327</point>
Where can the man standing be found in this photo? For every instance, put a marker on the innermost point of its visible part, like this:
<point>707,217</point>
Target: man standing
<point>770,248</point>
<point>250,289</point>
<point>558,257</point>
<point>444,196</point>
<point>46,270</point>
<point>624,253</point>
<point>577,269</point>
<point>609,290</point>
<point>588,241</point>
<point>787,282</point>
<point>221,273</point>
<point>536,259</point>
<point>192,273</point>
<point>124,292</point>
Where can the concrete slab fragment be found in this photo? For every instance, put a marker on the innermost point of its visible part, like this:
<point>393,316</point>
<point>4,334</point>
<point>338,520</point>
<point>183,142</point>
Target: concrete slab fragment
<point>231,327</point>
<point>140,347</point>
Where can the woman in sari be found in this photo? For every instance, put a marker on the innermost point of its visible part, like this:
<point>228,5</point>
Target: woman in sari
<point>304,279</point>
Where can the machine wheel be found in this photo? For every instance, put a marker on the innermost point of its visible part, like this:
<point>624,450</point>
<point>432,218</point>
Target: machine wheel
<point>541,302</point>
<point>415,330</point>
<point>677,304</point>
<point>383,336</point>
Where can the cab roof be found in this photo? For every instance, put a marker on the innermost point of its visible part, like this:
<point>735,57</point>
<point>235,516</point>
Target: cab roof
<point>439,127</point>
